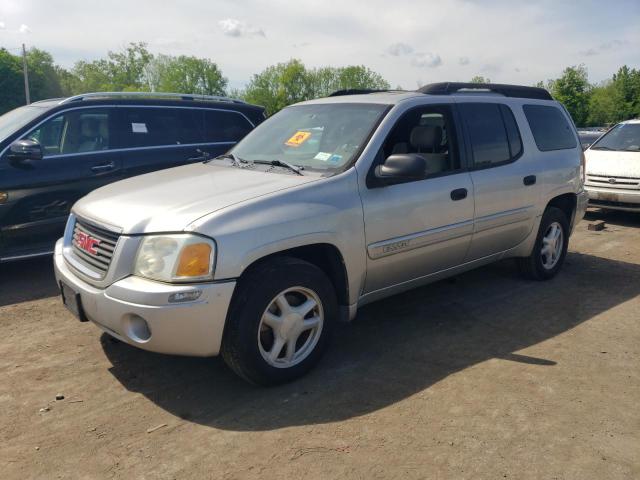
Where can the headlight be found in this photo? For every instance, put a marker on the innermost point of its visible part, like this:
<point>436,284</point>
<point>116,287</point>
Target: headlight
<point>175,258</point>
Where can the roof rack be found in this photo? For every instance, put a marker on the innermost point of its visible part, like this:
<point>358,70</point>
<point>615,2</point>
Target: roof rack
<point>355,91</point>
<point>175,96</point>
<point>519,91</point>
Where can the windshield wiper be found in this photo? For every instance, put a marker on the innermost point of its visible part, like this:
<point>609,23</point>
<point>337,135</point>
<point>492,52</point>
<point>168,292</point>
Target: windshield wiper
<point>280,163</point>
<point>235,160</point>
<point>602,148</point>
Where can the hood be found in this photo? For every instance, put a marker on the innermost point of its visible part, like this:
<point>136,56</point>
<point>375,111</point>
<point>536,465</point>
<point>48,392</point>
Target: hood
<point>169,200</point>
<point>612,164</point>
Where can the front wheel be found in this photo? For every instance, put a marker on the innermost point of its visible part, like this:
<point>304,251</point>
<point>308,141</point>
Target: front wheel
<point>280,321</point>
<point>550,248</point>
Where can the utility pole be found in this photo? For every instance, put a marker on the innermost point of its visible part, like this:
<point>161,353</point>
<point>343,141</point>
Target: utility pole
<point>26,75</point>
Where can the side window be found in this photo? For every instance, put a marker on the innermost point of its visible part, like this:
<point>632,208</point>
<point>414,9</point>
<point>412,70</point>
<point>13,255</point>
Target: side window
<point>158,126</point>
<point>513,134</point>
<point>550,128</point>
<point>429,132</point>
<point>493,132</point>
<point>75,131</point>
<point>221,126</point>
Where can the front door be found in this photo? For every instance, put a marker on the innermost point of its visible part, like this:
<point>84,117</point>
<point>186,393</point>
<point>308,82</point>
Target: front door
<point>418,228</point>
<point>77,159</point>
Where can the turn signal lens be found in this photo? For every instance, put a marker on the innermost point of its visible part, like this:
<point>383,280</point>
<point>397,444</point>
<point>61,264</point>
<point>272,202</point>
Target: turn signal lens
<point>195,260</point>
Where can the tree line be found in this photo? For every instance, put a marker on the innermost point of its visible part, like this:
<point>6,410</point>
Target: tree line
<point>134,68</point>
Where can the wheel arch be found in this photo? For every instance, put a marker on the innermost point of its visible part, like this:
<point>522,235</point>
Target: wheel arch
<point>567,202</point>
<point>326,256</point>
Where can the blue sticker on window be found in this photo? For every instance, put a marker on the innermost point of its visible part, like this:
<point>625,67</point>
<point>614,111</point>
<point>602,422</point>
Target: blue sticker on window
<point>335,158</point>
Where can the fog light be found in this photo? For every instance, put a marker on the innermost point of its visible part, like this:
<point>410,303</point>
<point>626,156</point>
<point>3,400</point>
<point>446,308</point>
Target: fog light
<point>4,196</point>
<point>189,296</point>
<point>137,328</point>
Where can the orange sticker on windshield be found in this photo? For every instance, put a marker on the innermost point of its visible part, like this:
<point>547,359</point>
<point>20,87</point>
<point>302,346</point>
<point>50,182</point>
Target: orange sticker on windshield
<point>298,139</point>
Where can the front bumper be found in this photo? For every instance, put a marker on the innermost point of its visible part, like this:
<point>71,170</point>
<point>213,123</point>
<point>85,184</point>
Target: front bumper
<point>192,328</point>
<point>614,199</point>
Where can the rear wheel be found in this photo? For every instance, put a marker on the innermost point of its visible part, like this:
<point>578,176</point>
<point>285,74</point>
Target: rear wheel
<point>550,248</point>
<point>280,321</point>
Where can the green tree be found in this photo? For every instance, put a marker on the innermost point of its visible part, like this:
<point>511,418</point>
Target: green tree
<point>602,110</point>
<point>186,75</point>
<point>625,86</point>
<point>11,81</point>
<point>43,77</point>
<point>572,89</point>
<point>285,83</point>
<point>480,79</point>
<point>279,85</point>
<point>120,71</point>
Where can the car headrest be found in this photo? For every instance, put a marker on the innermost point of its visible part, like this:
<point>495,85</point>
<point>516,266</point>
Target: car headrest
<point>426,137</point>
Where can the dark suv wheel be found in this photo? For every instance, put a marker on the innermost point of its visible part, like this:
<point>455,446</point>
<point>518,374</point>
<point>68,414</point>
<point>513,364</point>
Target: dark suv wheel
<point>280,321</point>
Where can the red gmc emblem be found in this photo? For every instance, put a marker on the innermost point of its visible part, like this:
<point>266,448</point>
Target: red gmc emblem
<point>87,243</point>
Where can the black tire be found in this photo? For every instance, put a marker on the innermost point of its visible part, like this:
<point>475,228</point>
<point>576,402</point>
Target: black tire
<point>532,267</point>
<point>255,292</point>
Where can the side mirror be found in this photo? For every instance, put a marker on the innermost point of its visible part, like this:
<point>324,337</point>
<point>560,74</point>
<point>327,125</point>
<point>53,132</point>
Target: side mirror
<point>400,168</point>
<point>25,149</point>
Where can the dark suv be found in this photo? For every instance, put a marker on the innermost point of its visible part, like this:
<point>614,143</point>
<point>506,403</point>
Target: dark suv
<point>53,152</point>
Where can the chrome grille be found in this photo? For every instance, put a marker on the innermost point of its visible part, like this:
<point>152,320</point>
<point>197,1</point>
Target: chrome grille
<point>603,181</point>
<point>93,246</point>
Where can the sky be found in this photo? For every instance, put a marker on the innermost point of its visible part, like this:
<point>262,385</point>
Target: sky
<point>409,42</point>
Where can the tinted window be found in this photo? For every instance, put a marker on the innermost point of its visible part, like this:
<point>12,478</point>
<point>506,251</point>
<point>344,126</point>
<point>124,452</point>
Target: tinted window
<point>76,131</point>
<point>513,134</point>
<point>222,126</point>
<point>550,128</point>
<point>148,127</point>
<point>487,133</point>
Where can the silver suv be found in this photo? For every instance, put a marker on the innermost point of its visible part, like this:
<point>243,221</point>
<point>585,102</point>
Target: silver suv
<point>328,205</point>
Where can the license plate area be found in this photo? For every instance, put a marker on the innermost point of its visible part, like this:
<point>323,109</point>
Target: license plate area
<point>71,299</point>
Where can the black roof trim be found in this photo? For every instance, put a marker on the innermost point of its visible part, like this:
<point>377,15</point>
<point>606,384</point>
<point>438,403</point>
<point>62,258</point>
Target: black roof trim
<point>518,91</point>
<point>355,91</point>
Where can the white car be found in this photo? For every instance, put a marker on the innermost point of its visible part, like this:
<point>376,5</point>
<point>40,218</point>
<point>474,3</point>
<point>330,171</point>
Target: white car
<point>613,168</point>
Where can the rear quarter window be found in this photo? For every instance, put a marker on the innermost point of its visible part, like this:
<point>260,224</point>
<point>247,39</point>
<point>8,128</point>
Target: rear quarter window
<point>225,126</point>
<point>550,128</point>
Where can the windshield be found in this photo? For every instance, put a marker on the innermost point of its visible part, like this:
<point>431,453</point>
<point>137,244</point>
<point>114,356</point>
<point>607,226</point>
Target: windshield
<point>622,137</point>
<point>11,121</point>
<point>317,137</point>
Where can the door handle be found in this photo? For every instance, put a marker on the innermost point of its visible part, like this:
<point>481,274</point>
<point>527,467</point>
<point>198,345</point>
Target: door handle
<point>458,194</point>
<point>529,180</point>
<point>103,168</point>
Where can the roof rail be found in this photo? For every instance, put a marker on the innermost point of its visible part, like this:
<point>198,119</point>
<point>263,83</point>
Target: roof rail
<point>167,95</point>
<point>519,91</point>
<point>355,91</point>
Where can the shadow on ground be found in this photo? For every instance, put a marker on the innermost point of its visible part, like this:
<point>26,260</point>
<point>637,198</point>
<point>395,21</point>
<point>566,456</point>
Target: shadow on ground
<point>394,349</point>
<point>27,280</point>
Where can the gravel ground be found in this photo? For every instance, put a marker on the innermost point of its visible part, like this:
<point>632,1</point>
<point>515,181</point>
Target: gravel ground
<point>482,376</point>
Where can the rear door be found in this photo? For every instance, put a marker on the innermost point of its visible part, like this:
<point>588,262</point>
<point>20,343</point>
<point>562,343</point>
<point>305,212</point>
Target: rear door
<point>158,137</point>
<point>504,178</point>
<point>78,158</point>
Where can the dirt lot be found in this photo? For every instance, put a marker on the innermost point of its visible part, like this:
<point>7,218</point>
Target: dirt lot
<point>482,376</point>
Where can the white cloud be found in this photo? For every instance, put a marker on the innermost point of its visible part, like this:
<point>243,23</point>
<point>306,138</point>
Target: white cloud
<point>398,49</point>
<point>2,26</point>
<point>463,61</point>
<point>236,28</point>
<point>426,60</point>
<point>24,29</point>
